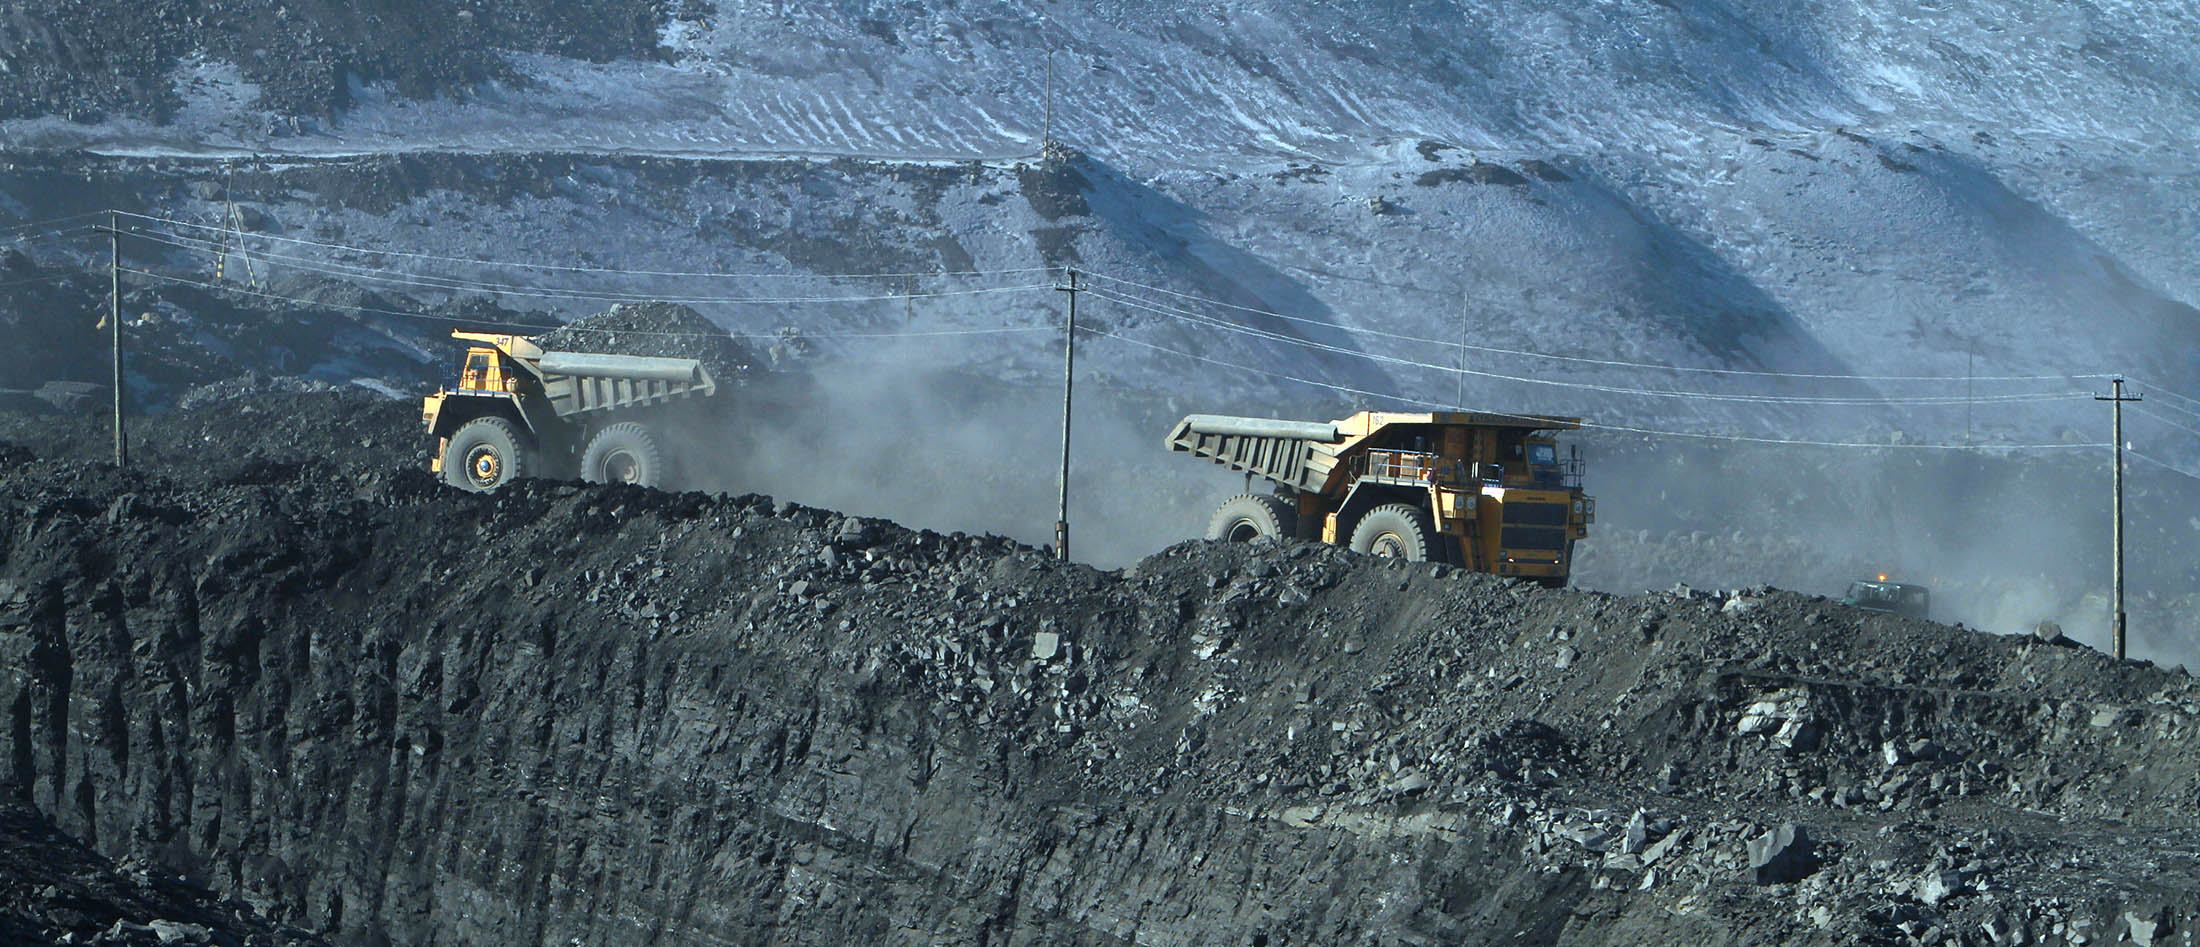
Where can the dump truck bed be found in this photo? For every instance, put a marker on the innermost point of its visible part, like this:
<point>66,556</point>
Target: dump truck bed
<point>1303,454</point>
<point>578,382</point>
<point>575,382</point>
<point>1297,454</point>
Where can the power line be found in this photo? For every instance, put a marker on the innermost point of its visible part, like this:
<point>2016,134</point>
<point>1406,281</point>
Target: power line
<point>518,264</point>
<point>1343,389</point>
<point>2181,427</point>
<point>1584,386</point>
<point>524,328</point>
<point>2160,390</point>
<point>2188,412</point>
<point>42,224</point>
<point>376,274</point>
<point>456,284</point>
<point>354,271</point>
<point>1445,406</point>
<point>48,278</point>
<point>449,283</point>
<point>78,230</point>
<point>1609,363</point>
<point>2165,465</point>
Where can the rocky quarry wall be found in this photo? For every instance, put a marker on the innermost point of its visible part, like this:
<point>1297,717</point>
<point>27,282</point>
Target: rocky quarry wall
<point>387,711</point>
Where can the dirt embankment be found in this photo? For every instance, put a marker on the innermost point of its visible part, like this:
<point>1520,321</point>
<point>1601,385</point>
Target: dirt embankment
<point>385,710</point>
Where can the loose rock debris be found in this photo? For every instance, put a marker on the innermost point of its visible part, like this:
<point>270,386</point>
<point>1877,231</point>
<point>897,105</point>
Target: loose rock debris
<point>617,716</point>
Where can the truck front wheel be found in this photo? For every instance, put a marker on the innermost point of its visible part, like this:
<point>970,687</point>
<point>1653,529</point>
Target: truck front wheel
<point>1243,519</point>
<point>625,453</point>
<point>1394,531</point>
<point>486,453</point>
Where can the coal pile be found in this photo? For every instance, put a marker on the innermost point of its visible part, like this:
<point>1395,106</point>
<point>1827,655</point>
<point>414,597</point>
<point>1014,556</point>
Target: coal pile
<point>248,422</point>
<point>619,716</point>
<point>297,422</point>
<point>663,330</point>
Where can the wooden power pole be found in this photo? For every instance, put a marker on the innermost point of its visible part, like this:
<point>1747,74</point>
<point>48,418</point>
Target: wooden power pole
<point>1069,377</point>
<point>1046,127</point>
<point>114,331</point>
<point>2116,399</point>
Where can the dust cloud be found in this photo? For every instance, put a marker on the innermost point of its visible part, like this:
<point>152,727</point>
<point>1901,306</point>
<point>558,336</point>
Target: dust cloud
<point>917,435</point>
<point>961,439</point>
<point>2003,542</point>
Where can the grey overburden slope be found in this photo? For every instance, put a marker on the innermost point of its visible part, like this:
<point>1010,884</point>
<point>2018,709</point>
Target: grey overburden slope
<point>1849,187</point>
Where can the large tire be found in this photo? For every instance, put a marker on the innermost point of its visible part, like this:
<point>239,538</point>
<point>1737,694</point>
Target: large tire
<point>1246,518</point>
<point>487,453</point>
<point>626,453</point>
<point>1395,531</point>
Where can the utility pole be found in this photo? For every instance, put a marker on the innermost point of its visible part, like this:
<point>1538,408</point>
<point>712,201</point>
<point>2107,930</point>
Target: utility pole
<point>114,331</point>
<point>1970,399</point>
<point>1046,133</point>
<point>2116,399</point>
<point>1069,376</point>
<point>1459,381</point>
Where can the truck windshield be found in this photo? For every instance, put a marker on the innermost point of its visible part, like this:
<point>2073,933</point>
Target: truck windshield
<point>1542,455</point>
<point>1862,592</point>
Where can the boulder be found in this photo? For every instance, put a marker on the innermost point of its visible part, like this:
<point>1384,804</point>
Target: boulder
<point>1781,855</point>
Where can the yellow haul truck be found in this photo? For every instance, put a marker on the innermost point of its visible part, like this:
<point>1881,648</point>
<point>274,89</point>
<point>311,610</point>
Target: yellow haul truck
<point>1486,492</point>
<point>520,410</point>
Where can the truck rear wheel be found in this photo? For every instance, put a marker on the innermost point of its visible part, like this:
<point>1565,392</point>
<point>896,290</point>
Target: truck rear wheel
<point>625,453</point>
<point>1243,519</point>
<point>487,453</point>
<point>1394,531</point>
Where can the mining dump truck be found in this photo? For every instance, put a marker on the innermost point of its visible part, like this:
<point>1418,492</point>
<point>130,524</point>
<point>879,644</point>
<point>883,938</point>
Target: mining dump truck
<point>519,410</point>
<point>1486,492</point>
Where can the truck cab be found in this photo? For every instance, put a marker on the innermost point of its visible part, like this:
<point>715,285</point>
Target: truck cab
<point>1893,598</point>
<point>485,372</point>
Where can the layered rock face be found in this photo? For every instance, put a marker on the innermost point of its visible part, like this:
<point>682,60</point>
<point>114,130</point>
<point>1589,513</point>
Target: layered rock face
<point>398,714</point>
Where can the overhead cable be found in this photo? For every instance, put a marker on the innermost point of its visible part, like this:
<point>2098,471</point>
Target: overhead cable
<point>45,234</point>
<point>523,328</point>
<point>2154,389</point>
<point>48,278</point>
<point>1611,363</point>
<point>1445,406</point>
<point>2182,427</point>
<point>1187,316</point>
<point>452,284</point>
<point>2165,465</point>
<point>518,264</point>
<point>43,224</point>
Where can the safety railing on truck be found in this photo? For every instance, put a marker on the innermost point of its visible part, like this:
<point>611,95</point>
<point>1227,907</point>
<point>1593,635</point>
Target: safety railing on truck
<point>1412,468</point>
<point>1421,468</point>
